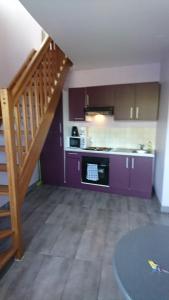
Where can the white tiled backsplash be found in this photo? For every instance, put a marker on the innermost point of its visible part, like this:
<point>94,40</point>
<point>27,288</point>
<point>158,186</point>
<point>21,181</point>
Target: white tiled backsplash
<point>122,137</point>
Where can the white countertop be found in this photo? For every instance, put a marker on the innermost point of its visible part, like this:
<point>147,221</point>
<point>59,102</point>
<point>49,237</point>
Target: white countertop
<point>125,152</point>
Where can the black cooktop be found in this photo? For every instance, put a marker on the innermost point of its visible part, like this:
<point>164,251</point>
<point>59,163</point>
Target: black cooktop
<point>98,148</point>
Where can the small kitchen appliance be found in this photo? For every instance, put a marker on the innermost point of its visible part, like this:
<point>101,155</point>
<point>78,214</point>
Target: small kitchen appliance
<point>75,131</point>
<point>78,142</point>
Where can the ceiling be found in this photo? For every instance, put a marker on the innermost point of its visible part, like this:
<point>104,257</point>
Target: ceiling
<point>106,33</point>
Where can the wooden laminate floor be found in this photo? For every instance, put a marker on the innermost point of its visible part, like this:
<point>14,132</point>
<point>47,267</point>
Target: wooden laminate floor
<point>70,236</point>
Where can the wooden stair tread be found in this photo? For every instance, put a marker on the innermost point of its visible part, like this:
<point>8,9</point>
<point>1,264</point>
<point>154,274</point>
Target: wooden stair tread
<point>6,256</point>
<point>4,213</point>
<point>2,148</point>
<point>5,233</point>
<point>3,189</point>
<point>3,167</point>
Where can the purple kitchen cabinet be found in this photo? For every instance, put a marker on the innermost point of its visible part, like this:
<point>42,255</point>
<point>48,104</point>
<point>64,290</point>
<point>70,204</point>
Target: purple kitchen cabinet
<point>128,175</point>
<point>131,175</point>
<point>73,169</point>
<point>119,172</point>
<point>141,175</point>
<point>101,95</point>
<point>77,102</point>
<point>52,155</point>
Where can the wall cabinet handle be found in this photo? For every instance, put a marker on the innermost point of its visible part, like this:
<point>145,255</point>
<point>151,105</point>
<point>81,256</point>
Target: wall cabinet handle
<point>60,127</point>
<point>132,163</point>
<point>127,162</point>
<point>78,165</point>
<point>131,112</point>
<point>137,112</point>
<point>60,141</point>
<point>87,100</point>
<point>79,119</point>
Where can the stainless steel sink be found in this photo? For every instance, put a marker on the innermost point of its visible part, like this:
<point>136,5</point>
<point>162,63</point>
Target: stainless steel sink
<point>128,150</point>
<point>123,150</point>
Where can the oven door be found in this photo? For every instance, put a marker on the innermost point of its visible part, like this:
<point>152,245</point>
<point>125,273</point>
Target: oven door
<point>95,170</point>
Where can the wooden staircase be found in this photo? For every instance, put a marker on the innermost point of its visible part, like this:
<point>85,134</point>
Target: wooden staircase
<point>27,109</point>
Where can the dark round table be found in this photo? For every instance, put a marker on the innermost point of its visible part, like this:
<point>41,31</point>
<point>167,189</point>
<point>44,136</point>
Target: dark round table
<point>135,277</point>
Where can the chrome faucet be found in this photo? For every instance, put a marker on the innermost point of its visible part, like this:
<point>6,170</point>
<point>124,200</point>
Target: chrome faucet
<point>141,146</point>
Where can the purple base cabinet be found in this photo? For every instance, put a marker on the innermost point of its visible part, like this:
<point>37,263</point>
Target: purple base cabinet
<point>52,155</point>
<point>119,172</point>
<point>73,169</point>
<point>131,175</point>
<point>128,175</point>
<point>141,176</point>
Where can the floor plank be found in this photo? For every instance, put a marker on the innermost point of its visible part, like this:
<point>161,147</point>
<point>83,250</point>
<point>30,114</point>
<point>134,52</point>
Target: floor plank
<point>70,236</point>
<point>83,282</point>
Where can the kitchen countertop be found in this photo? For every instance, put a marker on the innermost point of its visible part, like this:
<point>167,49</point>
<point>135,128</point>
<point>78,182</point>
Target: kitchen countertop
<point>117,151</point>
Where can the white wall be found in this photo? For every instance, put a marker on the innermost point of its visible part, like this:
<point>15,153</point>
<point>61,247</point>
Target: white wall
<point>19,34</point>
<point>162,140</point>
<point>118,75</point>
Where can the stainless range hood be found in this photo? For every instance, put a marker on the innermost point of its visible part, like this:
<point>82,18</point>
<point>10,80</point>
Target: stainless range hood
<point>104,110</point>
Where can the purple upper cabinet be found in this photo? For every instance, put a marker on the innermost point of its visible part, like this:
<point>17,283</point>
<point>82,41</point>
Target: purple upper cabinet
<point>77,102</point>
<point>52,155</point>
<point>119,172</point>
<point>73,169</point>
<point>141,175</point>
<point>101,95</point>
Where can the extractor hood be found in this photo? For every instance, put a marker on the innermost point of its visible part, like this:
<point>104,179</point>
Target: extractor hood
<point>104,110</point>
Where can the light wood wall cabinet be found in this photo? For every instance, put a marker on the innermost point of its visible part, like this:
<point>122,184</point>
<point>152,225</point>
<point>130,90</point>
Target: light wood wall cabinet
<point>137,102</point>
<point>124,102</point>
<point>147,101</point>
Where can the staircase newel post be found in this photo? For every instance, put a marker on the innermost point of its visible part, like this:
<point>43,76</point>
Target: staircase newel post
<point>7,104</point>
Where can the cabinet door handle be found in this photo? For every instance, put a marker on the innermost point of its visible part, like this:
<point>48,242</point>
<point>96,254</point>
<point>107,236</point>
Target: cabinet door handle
<point>87,100</point>
<point>60,141</point>
<point>131,112</point>
<point>60,127</point>
<point>74,153</point>
<point>78,165</point>
<point>64,167</point>
<point>132,163</point>
<point>127,162</point>
<point>137,112</point>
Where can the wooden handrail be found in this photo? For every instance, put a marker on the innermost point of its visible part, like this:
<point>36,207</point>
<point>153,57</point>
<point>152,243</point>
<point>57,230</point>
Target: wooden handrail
<point>26,75</point>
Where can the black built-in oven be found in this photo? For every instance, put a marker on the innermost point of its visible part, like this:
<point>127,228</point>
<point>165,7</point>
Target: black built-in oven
<point>95,170</point>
